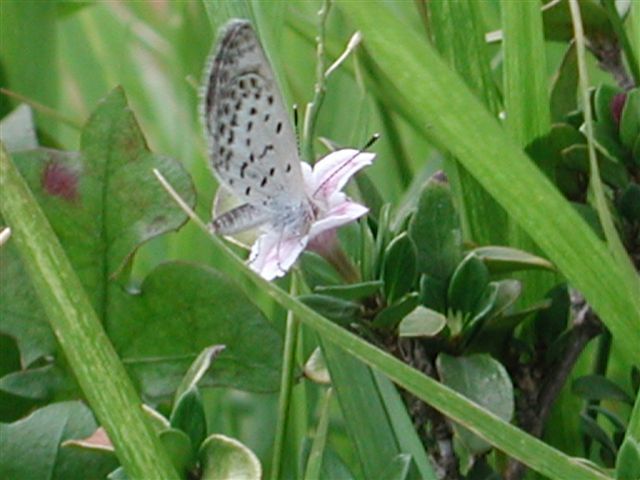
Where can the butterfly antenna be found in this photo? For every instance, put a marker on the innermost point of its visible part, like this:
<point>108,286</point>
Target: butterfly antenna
<point>374,138</point>
<point>295,127</point>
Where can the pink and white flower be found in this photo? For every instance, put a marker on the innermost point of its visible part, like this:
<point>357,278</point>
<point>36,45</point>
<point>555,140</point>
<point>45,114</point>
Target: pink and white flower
<point>274,252</point>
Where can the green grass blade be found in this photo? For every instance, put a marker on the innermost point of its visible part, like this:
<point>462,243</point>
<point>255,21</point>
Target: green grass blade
<point>286,387</point>
<point>360,402</point>
<point>526,88</point>
<point>526,95</point>
<point>314,464</point>
<point>458,120</point>
<point>458,33</point>
<point>91,356</point>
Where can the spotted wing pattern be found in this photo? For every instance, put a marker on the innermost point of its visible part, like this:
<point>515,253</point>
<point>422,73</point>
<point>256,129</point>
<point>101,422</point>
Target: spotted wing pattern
<point>252,146</point>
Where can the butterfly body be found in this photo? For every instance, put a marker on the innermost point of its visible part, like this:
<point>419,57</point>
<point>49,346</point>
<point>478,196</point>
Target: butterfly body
<point>252,146</point>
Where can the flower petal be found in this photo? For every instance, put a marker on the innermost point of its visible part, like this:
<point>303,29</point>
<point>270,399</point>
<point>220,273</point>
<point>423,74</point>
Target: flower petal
<point>274,253</point>
<point>332,172</point>
<point>345,212</point>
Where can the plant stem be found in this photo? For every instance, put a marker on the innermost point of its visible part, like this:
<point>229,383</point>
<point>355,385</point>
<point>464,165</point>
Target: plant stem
<point>85,344</point>
<point>286,387</point>
<point>313,107</point>
<point>75,124</point>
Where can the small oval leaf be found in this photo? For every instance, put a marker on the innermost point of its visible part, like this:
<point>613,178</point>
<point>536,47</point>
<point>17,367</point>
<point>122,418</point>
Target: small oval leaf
<point>399,267</point>
<point>392,315</point>
<point>422,322</point>
<point>224,458</point>
<point>483,380</point>
<point>467,286</point>
<point>315,369</point>
<point>352,291</point>
<point>505,259</point>
<point>435,231</point>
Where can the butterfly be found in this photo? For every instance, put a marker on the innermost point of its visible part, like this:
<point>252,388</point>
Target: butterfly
<point>253,152</point>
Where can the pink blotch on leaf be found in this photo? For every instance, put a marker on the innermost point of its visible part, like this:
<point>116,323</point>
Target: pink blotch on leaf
<point>59,180</point>
<point>617,104</point>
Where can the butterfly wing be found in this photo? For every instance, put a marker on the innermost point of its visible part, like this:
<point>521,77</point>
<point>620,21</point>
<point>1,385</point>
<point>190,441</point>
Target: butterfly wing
<point>252,146</point>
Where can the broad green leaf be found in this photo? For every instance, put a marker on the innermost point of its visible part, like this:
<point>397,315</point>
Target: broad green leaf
<point>505,259</point>
<point>422,322</point>
<point>435,231</point>
<point>483,380</point>
<point>83,340</point>
<point>102,203</point>
<point>174,318</point>
<point>467,286</point>
<point>31,446</point>
<point>179,448</point>
<point>163,349</point>
<point>224,458</point>
<point>352,291</point>
<point>597,387</point>
<point>399,267</point>
<point>188,416</point>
